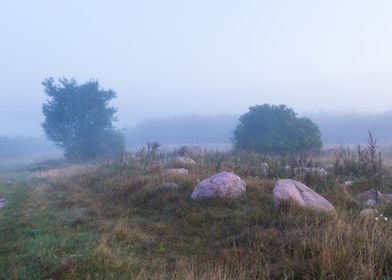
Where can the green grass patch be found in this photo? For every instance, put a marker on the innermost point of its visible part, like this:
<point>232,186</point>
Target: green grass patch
<point>38,241</point>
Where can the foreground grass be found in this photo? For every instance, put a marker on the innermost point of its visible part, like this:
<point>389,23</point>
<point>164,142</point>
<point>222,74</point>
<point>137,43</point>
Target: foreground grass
<point>111,223</point>
<point>37,238</point>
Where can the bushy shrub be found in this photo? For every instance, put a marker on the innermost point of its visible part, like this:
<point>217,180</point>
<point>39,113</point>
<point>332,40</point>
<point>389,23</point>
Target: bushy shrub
<point>276,129</point>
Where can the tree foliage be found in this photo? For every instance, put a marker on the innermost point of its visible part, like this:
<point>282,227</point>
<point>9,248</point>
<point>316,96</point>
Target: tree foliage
<point>277,129</point>
<point>78,118</point>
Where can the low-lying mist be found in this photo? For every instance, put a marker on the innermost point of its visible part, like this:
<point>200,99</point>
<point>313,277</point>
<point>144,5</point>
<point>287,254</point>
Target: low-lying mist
<point>336,129</point>
<point>25,147</point>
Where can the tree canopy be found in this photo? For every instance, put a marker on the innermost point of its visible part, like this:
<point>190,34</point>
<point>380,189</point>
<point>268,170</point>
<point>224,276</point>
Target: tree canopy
<point>276,129</point>
<point>78,118</point>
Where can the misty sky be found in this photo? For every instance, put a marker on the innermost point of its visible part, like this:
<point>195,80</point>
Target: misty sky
<point>165,58</point>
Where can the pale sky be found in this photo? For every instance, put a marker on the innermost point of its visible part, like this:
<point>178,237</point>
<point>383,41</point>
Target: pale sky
<point>175,57</point>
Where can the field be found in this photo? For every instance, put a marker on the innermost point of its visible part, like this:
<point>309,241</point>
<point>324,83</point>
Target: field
<point>110,220</point>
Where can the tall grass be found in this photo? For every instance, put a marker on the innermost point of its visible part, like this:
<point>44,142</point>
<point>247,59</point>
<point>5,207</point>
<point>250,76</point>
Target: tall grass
<point>112,222</point>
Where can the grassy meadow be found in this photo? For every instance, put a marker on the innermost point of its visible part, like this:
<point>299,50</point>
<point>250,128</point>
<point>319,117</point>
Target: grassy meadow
<point>110,220</point>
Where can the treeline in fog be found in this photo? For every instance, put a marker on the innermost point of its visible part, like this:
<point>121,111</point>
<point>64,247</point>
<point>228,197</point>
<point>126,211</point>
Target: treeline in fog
<point>352,128</point>
<point>336,129</point>
<point>184,130</point>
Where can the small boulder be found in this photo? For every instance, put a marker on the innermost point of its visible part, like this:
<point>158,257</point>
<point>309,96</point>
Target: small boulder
<point>222,185</point>
<point>184,161</point>
<point>371,202</point>
<point>177,171</point>
<point>300,195</point>
<point>367,215</point>
<point>370,195</point>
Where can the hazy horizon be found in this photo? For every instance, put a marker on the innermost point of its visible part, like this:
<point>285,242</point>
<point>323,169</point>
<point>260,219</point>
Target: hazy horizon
<point>170,58</point>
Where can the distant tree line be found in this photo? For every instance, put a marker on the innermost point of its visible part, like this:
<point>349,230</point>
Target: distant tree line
<point>184,130</point>
<point>352,128</point>
<point>335,128</point>
<point>340,128</point>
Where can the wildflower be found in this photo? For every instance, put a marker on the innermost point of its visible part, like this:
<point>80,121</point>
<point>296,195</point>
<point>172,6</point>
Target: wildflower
<point>386,219</point>
<point>376,218</point>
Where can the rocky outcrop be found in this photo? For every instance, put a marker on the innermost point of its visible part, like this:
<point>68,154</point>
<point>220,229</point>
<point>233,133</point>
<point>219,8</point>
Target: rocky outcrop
<point>221,185</point>
<point>290,191</point>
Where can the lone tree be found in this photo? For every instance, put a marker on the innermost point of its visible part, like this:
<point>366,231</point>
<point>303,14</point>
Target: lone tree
<point>79,120</point>
<point>276,129</point>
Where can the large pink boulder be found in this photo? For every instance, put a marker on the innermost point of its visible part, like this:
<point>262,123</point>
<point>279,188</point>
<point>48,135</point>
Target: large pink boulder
<point>300,195</point>
<point>222,185</point>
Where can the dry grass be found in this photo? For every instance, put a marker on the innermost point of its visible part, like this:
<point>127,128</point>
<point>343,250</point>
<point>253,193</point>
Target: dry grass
<point>110,222</point>
<point>66,172</point>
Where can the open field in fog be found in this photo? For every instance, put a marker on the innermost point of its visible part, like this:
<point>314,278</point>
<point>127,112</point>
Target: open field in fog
<point>196,140</point>
<point>111,220</point>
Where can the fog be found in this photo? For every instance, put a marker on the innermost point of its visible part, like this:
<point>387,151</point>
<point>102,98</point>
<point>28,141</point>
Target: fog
<point>346,129</point>
<point>216,132</point>
<point>178,58</point>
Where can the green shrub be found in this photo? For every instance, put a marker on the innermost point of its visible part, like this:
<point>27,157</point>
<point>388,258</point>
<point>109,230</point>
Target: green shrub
<point>276,129</point>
